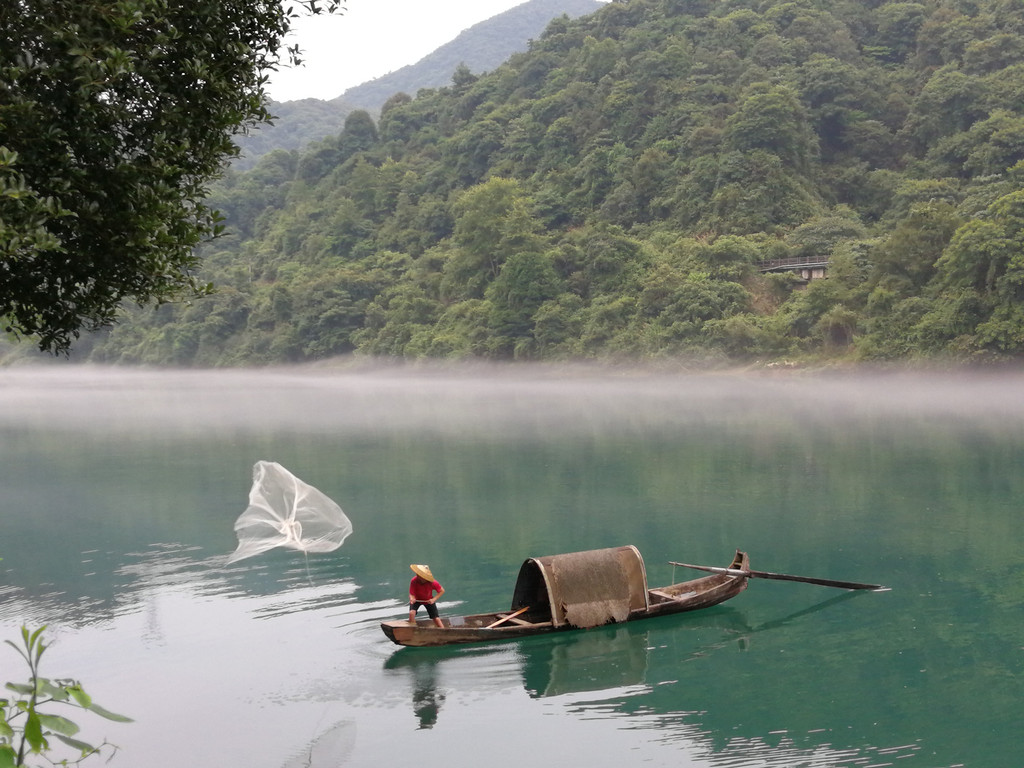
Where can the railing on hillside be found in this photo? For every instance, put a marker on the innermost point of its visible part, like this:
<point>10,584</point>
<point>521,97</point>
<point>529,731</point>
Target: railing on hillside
<point>793,263</point>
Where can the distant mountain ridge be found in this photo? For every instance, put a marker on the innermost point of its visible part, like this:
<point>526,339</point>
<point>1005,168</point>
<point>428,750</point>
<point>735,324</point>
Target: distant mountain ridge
<point>481,48</point>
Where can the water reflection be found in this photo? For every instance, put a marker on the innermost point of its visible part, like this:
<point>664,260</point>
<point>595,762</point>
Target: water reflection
<point>646,674</point>
<point>836,599</point>
<point>423,669</point>
<point>594,661</point>
<point>118,493</point>
<point>331,748</point>
<point>426,699</point>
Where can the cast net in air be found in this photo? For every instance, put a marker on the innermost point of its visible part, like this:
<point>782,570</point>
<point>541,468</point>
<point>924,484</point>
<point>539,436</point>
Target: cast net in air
<point>286,512</point>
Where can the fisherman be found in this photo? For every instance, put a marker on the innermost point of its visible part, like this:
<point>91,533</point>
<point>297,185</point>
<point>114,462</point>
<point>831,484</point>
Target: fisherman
<point>421,592</point>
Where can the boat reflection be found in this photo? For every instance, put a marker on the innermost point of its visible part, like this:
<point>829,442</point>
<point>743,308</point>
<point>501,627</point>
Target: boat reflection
<point>662,659</point>
<point>620,655</point>
<point>599,659</point>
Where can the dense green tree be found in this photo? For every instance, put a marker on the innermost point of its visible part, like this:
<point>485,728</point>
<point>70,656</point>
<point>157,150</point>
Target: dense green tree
<point>493,222</point>
<point>913,247</point>
<point>747,336</point>
<point>472,150</point>
<point>983,269</point>
<point>951,101</point>
<point>747,192</point>
<point>396,317</point>
<point>556,326</point>
<point>990,146</point>
<point>944,36</point>
<point>114,117</point>
<point>526,281</point>
<point>819,236</point>
<point>775,121</point>
<point>246,199</point>
<point>898,28</point>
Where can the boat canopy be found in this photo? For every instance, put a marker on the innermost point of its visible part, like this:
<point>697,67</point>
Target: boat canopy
<point>584,589</point>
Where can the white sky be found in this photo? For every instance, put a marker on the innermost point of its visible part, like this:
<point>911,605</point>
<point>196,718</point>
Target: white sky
<point>372,38</point>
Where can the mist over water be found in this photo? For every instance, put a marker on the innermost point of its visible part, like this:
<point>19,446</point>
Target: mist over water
<point>486,400</point>
<point>119,489</point>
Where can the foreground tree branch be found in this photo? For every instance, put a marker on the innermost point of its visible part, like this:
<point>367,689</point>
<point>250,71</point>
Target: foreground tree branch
<point>114,117</point>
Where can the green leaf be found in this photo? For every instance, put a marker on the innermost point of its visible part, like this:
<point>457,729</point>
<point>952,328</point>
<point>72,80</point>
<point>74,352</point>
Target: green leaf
<point>6,732</point>
<point>109,715</point>
<point>83,699</point>
<point>47,688</point>
<point>59,724</point>
<point>81,746</point>
<point>7,756</point>
<point>35,643</point>
<point>22,688</point>
<point>34,733</point>
<point>35,635</point>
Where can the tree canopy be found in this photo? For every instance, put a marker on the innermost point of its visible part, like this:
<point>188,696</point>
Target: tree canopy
<point>114,118</point>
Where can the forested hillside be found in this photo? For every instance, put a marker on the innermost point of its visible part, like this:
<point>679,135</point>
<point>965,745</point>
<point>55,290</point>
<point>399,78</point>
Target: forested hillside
<point>480,48</point>
<point>296,124</point>
<point>611,192</point>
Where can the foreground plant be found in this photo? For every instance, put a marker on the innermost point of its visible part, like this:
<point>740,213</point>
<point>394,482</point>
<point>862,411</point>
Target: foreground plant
<point>26,731</point>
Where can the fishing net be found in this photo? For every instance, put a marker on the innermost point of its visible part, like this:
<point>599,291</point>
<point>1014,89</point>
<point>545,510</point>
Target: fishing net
<point>286,512</point>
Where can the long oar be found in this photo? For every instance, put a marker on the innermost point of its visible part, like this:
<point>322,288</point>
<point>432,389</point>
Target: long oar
<point>503,619</point>
<point>786,577</point>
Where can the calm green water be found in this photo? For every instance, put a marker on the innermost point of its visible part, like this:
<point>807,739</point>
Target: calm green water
<point>118,492</point>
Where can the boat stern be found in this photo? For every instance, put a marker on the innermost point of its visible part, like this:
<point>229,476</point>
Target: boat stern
<point>401,632</point>
<point>421,633</point>
<point>389,628</point>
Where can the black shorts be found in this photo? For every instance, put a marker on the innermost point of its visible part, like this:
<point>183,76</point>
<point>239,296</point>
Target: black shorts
<point>431,608</point>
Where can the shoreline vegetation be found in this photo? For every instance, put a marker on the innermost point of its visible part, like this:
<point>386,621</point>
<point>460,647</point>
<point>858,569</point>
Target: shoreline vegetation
<point>23,359</point>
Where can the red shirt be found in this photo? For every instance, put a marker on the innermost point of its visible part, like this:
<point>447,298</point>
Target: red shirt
<point>423,590</point>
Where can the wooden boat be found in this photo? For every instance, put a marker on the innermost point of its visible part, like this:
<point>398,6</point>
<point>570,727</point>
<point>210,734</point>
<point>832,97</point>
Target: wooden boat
<point>576,591</point>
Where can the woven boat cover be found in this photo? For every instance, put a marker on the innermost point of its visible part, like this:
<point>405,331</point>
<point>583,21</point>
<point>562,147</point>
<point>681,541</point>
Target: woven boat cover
<point>585,589</point>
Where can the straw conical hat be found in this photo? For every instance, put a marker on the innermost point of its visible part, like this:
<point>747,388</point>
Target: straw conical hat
<point>423,571</point>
